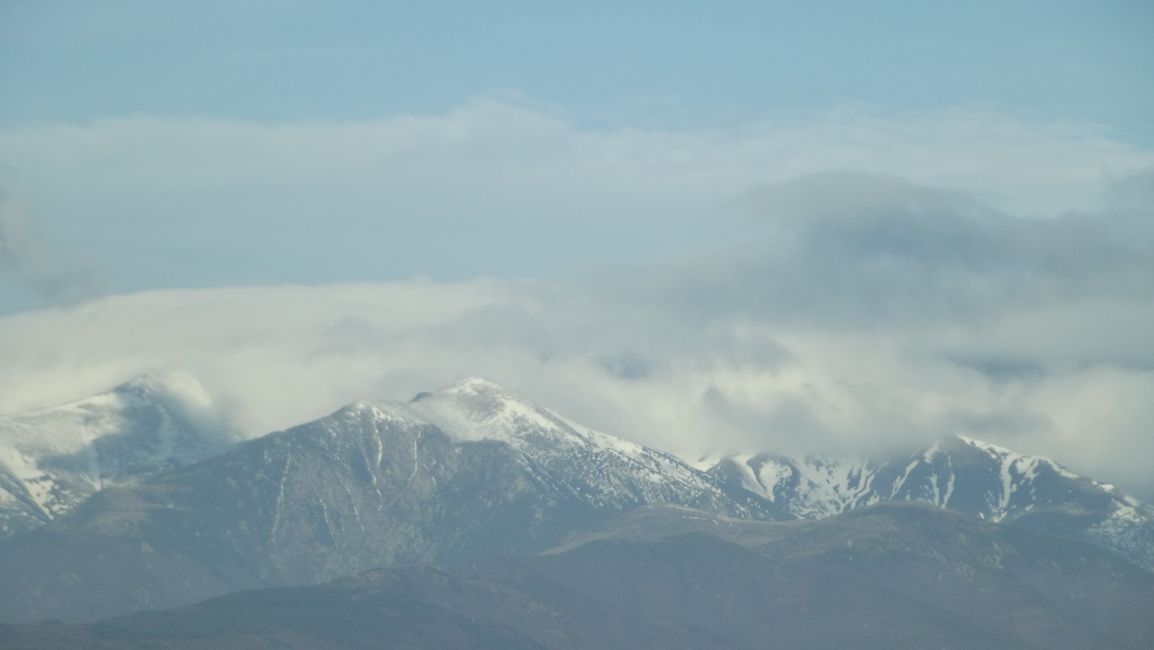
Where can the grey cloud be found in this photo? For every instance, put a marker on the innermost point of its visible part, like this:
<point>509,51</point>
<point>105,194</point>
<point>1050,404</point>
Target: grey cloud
<point>851,195</point>
<point>1000,368</point>
<point>990,320</point>
<point>628,366</point>
<point>788,424</point>
<point>1002,423</point>
<point>849,249</point>
<point>29,262</point>
<point>1132,192</point>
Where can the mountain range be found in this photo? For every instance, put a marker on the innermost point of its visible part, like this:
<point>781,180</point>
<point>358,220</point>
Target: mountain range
<point>177,512</point>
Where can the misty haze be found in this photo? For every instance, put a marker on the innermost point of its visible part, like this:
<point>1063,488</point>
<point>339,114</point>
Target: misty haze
<point>360,325</point>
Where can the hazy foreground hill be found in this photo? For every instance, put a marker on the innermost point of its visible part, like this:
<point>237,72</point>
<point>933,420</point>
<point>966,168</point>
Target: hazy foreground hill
<point>892,575</point>
<point>458,476</point>
<point>52,459</point>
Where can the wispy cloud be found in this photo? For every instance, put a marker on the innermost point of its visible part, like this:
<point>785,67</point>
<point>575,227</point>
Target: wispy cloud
<point>502,155</point>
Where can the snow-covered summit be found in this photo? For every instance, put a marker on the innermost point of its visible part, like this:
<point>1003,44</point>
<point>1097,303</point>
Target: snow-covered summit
<point>53,458</point>
<point>481,409</point>
<point>959,473</point>
<point>566,457</point>
<point>74,425</point>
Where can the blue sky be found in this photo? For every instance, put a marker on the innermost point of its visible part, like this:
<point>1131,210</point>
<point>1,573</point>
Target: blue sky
<point>284,60</point>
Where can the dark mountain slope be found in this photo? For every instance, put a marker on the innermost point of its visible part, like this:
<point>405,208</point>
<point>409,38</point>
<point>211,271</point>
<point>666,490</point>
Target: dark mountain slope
<point>888,576</point>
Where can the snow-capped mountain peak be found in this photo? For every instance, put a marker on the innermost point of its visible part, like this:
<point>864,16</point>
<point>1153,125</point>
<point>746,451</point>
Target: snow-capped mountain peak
<point>481,409</point>
<point>53,458</point>
<point>959,473</point>
<point>962,474</point>
<point>603,467</point>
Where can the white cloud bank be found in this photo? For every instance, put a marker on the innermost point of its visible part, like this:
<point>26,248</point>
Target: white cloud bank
<point>857,309</point>
<point>540,177</point>
<point>889,319</point>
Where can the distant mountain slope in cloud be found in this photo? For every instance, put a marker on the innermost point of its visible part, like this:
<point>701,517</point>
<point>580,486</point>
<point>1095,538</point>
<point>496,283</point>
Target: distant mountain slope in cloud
<point>52,459</point>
